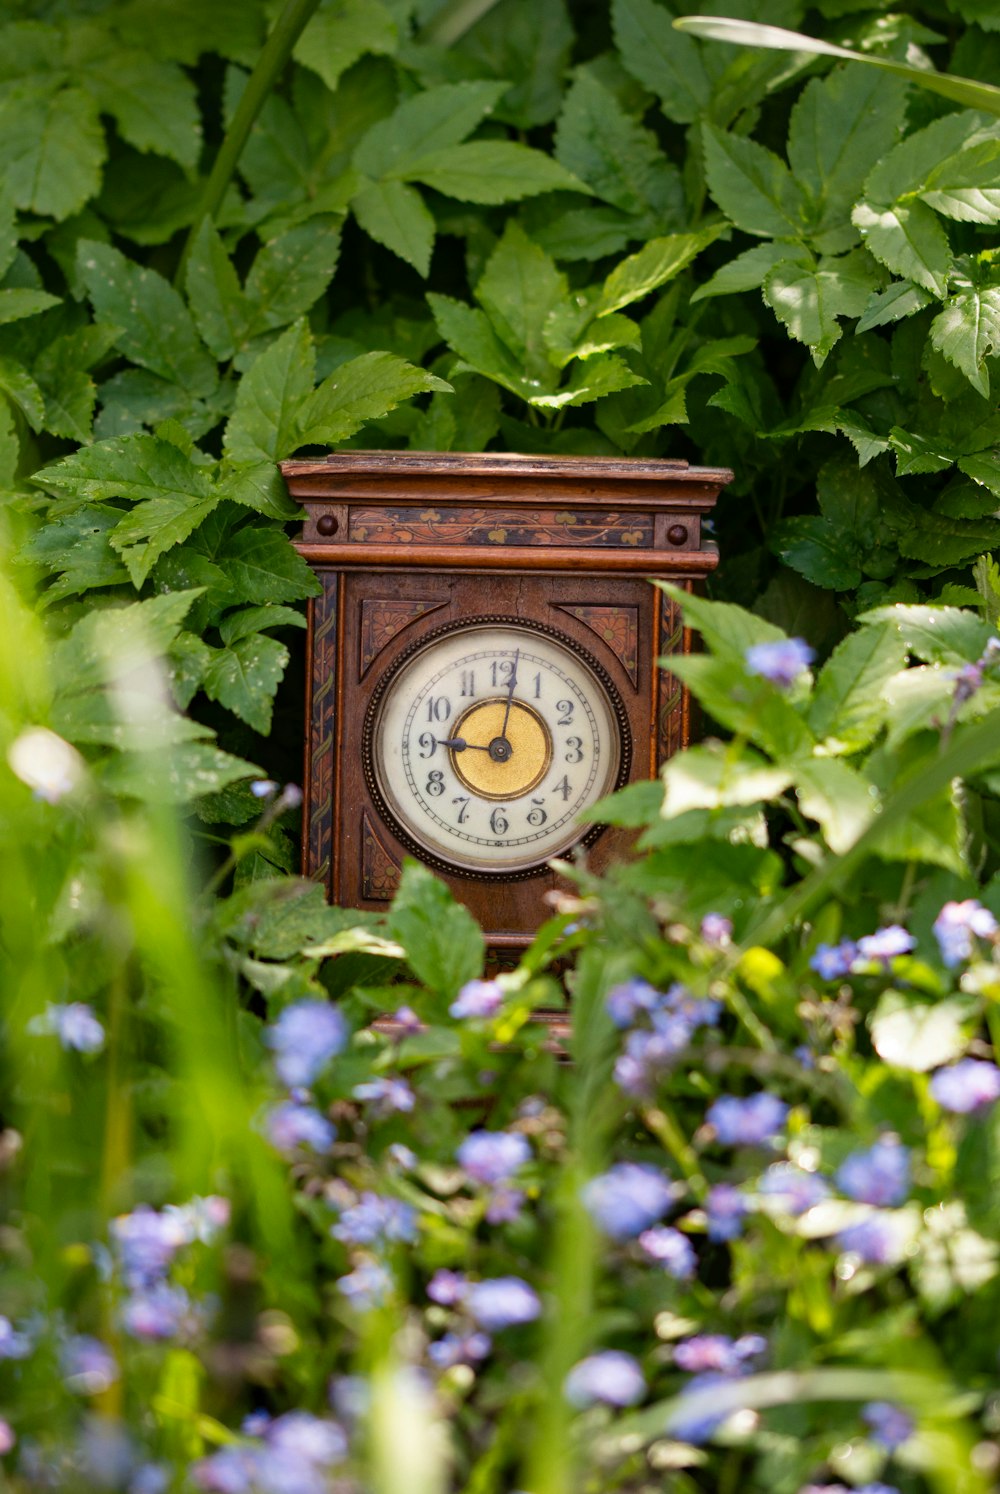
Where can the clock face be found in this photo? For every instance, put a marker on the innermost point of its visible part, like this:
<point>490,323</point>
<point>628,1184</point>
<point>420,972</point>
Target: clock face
<point>486,742</point>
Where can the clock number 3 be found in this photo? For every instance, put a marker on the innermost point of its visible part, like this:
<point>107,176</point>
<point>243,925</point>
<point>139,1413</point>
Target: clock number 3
<point>575,752</point>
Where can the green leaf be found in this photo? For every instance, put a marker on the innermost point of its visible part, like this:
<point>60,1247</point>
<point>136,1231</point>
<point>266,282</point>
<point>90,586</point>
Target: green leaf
<point>291,272</point>
<point>175,775</point>
<point>818,550</point>
<point>706,778</point>
<point>156,327</point>
<point>590,380</point>
<point>136,467</point>
<point>21,389</point>
<point>429,121</point>
<point>156,526</point>
<point>188,28</point>
<point>269,398</point>
<point>808,300</point>
<point>237,625</point>
<point>938,635</point>
<point>86,656</point>
<point>748,34</point>
<point>259,486</point>
<point>841,801</point>
<point>152,101</point>
<point>244,676</point>
<point>262,566</point>
<point>16,304</point>
<point>750,269</point>
<point>752,186</point>
<point>965,186</point>
<point>848,708</point>
<point>70,396</point>
<point>444,947</point>
<point>909,240</point>
<point>214,293</point>
<point>340,32</point>
<point>655,264</point>
<point>519,289</point>
<point>906,169</point>
<point>363,389</point>
<point>901,299</point>
<point>744,705</point>
<point>601,145</point>
<point>840,128</point>
<point>470,332</point>
<point>967,331</point>
<point>666,61</point>
<point>727,629</point>
<point>396,215</point>
<point>490,171</point>
<point>51,147</point>
<point>529,45</point>
<point>76,548</point>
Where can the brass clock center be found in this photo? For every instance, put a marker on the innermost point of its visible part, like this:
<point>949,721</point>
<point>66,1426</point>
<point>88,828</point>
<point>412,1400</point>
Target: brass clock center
<point>498,761</point>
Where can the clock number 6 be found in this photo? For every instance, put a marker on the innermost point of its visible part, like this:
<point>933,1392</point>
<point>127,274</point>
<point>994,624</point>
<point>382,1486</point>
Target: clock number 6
<point>498,821</point>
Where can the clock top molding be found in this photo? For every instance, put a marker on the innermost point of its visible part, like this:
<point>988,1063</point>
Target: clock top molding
<point>504,511</point>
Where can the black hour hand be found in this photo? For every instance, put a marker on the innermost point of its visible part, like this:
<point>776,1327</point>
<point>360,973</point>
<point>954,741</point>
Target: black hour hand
<point>459,744</point>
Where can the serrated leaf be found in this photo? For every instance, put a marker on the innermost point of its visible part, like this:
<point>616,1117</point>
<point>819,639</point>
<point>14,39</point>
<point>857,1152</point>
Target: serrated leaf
<point>340,32</point>
<point>51,147</point>
<point>841,801</point>
<point>156,327</point>
<point>591,380</point>
<point>244,676</point>
<point>175,775</point>
<point>966,185</point>
<point>658,262</point>
<point>214,293</point>
<point>429,121</point>
<point>135,467</point>
<point>443,944</point>
<point>237,625</point>
<point>259,486</point>
<point>470,333</point>
<point>156,526</point>
<point>262,566</point>
<point>363,389</point>
<point>700,778</point>
<point>291,272</point>
<point>938,635</point>
<point>727,629</point>
<point>269,398</point>
<point>16,304</point>
<point>665,60</point>
<point>519,289</point>
<point>21,389</point>
<point>86,655</point>
<point>900,300</point>
<point>840,127</point>
<point>848,708</point>
<point>749,269</point>
<point>396,215</point>
<point>490,171</point>
<point>152,100</point>
<point>601,145</point>
<point>967,330</point>
<point>906,168</point>
<point>818,550</point>
<point>76,547</point>
<point>186,661</point>
<point>908,240</point>
<point>752,186</point>
<point>808,300</point>
<point>70,396</point>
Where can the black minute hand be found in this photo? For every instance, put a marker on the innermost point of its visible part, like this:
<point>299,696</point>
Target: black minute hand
<point>510,693</point>
<point>459,744</point>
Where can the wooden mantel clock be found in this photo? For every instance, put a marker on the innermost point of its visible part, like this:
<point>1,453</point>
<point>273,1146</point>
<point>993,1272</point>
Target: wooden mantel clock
<point>483,662</point>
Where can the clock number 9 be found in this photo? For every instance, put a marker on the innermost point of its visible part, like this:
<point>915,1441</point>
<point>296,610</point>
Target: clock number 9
<point>498,821</point>
<point>575,753</point>
<point>428,742</point>
<point>435,784</point>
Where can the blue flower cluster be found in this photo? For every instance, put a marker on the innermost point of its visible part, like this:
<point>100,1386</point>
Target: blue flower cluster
<point>661,1025</point>
<point>292,1454</point>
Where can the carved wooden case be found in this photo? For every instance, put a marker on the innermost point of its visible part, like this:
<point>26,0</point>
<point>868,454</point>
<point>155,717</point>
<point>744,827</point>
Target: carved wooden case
<point>405,543</point>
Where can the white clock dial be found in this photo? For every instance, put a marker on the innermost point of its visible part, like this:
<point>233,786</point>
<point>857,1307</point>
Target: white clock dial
<point>487,744</point>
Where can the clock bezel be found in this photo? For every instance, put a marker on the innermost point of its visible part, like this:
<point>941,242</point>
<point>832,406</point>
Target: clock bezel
<point>435,859</point>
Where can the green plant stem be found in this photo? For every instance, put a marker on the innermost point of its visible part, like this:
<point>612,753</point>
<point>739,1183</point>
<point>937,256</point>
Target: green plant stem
<point>274,55</point>
<point>975,747</point>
